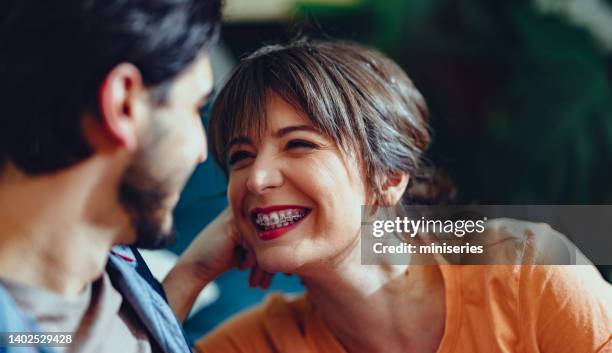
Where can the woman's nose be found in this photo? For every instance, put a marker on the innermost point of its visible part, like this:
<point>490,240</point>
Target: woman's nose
<point>264,176</point>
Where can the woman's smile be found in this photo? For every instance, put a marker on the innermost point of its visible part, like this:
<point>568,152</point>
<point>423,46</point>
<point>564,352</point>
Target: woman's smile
<point>274,221</point>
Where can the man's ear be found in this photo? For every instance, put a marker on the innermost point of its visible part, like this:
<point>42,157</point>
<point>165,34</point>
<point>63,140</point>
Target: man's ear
<point>117,98</point>
<point>394,187</point>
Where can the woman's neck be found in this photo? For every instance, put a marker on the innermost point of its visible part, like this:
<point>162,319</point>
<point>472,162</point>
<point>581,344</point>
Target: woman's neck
<point>379,308</point>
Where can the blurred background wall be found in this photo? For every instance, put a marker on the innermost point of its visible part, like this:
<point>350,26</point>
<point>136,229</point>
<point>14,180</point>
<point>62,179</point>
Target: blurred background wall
<point>519,91</point>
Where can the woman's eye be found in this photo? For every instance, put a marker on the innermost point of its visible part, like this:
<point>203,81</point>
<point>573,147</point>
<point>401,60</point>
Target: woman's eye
<point>293,144</point>
<point>238,156</point>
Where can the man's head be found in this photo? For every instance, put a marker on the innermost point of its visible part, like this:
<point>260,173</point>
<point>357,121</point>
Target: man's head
<point>85,77</point>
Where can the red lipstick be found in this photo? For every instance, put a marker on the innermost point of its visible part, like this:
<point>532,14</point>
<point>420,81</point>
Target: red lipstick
<point>269,234</point>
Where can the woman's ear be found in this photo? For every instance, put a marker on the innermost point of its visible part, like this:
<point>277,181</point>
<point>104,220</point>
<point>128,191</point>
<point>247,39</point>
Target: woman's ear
<point>394,187</point>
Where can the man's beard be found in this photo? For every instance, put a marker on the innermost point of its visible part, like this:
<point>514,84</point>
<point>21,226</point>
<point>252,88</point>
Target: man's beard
<point>143,202</point>
<point>143,195</point>
<point>143,205</point>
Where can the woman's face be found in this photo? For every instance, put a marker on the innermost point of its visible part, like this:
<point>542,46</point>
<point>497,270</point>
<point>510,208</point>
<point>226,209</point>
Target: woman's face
<point>296,198</point>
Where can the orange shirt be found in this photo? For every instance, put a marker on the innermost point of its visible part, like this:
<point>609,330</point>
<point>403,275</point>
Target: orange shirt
<point>489,309</point>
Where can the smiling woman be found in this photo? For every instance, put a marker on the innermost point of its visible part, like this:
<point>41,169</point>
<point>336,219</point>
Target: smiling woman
<point>318,129</point>
<point>308,133</point>
<point>294,169</point>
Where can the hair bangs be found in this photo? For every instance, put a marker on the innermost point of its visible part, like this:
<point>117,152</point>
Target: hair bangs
<point>240,109</point>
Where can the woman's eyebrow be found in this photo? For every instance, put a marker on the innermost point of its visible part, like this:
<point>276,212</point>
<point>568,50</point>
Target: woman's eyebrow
<point>289,129</point>
<point>240,140</point>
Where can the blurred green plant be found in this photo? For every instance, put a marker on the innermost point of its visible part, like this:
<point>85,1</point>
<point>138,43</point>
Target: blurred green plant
<point>521,99</point>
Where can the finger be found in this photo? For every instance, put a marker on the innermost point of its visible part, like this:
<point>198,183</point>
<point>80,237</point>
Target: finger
<point>249,260</point>
<point>241,257</point>
<point>262,279</point>
<point>267,280</point>
<point>252,278</point>
<point>255,277</point>
<point>245,258</point>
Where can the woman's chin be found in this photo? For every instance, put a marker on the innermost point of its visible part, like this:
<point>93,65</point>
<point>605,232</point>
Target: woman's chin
<point>273,261</point>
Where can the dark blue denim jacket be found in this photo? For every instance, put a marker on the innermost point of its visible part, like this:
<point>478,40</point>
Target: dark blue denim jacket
<point>132,278</point>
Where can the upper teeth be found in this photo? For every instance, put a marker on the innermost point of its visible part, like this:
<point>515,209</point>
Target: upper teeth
<point>279,218</point>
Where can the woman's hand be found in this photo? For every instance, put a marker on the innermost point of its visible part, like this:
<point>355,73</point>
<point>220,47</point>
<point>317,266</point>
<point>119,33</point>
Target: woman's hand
<point>216,249</point>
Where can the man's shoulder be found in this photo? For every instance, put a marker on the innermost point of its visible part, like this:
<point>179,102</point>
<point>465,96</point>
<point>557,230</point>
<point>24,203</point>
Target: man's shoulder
<point>12,319</point>
<point>127,261</point>
<point>131,276</point>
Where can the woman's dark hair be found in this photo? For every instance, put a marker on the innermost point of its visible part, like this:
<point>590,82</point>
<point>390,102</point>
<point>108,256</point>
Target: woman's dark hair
<point>354,95</point>
<point>54,54</point>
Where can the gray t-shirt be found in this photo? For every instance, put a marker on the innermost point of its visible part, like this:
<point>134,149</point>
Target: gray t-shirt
<point>101,320</point>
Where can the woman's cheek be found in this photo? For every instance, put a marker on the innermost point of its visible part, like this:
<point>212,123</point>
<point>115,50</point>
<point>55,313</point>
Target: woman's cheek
<point>319,173</point>
<point>236,194</point>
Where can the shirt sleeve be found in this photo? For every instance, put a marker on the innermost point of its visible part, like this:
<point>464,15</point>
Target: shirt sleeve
<point>566,309</point>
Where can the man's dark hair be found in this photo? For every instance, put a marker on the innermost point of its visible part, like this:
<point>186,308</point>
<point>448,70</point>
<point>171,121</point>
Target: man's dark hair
<point>54,55</point>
